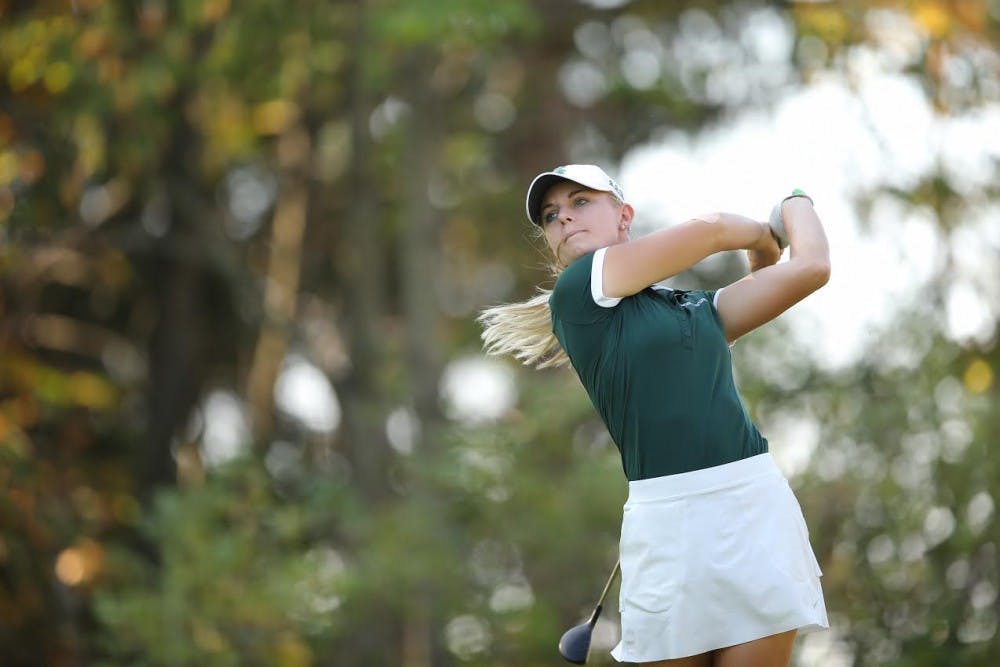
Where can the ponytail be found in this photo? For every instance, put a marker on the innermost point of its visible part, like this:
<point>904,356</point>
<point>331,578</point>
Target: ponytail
<point>523,330</point>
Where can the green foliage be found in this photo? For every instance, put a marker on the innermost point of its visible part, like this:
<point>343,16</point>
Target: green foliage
<point>465,23</point>
<point>250,570</point>
<point>236,580</point>
<point>902,489</point>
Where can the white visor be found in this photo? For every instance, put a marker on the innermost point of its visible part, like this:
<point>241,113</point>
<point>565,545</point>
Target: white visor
<point>588,175</point>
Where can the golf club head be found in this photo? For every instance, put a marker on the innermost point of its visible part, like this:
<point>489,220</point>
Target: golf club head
<point>575,643</point>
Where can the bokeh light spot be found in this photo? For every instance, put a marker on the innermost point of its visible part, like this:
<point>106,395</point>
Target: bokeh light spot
<point>57,77</point>
<point>933,18</point>
<point>8,167</point>
<point>274,117</point>
<point>978,377</point>
<point>79,563</point>
<point>69,567</point>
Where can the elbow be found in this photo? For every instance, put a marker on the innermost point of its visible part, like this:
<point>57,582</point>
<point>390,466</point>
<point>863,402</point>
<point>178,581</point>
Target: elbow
<point>815,273</point>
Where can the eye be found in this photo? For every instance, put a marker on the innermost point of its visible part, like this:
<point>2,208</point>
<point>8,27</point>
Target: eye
<point>580,201</point>
<point>549,217</point>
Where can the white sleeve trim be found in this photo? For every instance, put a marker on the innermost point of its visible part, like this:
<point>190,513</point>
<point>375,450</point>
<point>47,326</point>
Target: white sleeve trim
<point>597,282</point>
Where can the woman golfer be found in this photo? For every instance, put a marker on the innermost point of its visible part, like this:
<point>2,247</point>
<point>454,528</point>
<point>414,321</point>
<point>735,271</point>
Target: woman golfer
<point>716,563</point>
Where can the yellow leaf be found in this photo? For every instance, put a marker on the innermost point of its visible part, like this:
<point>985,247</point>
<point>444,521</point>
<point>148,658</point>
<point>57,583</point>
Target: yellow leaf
<point>274,117</point>
<point>91,391</point>
<point>22,74</point>
<point>932,17</point>
<point>292,652</point>
<point>978,376</point>
<point>214,10</point>
<point>8,167</point>
<point>828,22</point>
<point>57,77</point>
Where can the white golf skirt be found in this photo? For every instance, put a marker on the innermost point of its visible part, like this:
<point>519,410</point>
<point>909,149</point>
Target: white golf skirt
<point>714,558</point>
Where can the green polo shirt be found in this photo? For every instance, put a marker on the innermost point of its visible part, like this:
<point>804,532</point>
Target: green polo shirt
<point>658,370</point>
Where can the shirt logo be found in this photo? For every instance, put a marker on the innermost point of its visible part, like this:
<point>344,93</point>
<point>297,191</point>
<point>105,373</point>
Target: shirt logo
<point>695,304</point>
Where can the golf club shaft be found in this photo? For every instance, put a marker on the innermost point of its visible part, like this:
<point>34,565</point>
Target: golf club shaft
<point>607,586</point>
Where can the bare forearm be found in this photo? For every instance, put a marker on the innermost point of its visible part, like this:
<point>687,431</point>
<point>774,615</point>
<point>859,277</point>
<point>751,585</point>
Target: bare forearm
<point>768,292</point>
<point>734,231</point>
<point>806,237</point>
<point>634,266</point>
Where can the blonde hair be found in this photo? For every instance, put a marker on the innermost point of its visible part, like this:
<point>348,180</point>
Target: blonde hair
<point>524,329</point>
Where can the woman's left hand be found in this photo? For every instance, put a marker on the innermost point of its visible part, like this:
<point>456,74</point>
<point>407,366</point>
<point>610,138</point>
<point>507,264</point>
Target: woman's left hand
<point>765,252</point>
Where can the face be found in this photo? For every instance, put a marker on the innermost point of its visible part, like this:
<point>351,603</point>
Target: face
<point>577,220</point>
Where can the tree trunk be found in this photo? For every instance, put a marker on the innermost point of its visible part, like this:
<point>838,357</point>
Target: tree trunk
<point>282,284</point>
<point>419,247</point>
<point>361,267</point>
<point>419,252</point>
<point>177,344</point>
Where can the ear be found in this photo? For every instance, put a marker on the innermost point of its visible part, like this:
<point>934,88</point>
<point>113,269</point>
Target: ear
<point>625,216</point>
<point>627,213</point>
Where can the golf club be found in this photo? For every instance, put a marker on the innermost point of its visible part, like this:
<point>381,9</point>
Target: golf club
<point>575,642</point>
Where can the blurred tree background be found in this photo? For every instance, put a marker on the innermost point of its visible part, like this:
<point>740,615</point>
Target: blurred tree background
<point>244,419</point>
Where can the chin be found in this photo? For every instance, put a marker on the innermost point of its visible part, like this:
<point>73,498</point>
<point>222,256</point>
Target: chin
<point>578,246</point>
<point>573,254</point>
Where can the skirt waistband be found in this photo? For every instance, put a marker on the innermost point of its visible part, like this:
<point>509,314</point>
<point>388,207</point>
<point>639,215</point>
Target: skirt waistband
<point>702,481</point>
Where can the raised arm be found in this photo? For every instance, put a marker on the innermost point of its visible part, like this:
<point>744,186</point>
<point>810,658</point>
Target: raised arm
<point>766,293</point>
<point>631,267</point>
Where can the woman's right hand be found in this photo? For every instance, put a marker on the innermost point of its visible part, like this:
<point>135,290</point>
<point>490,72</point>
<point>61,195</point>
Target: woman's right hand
<point>771,290</point>
<point>765,252</point>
